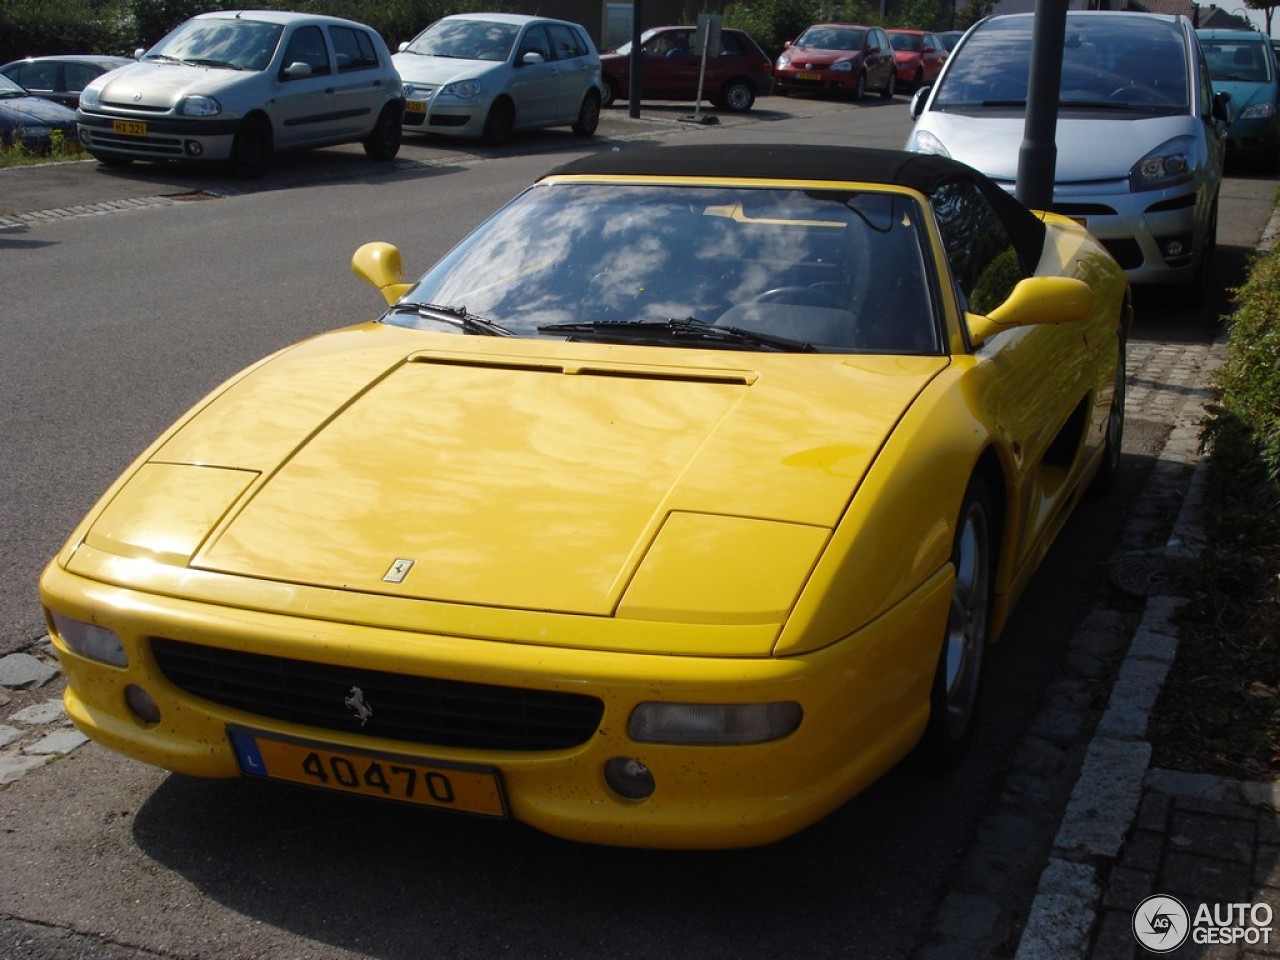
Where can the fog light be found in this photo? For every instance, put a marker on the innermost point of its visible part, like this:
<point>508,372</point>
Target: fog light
<point>628,777</point>
<point>1173,248</point>
<point>89,640</point>
<point>713,724</point>
<point>142,705</point>
<point>193,148</point>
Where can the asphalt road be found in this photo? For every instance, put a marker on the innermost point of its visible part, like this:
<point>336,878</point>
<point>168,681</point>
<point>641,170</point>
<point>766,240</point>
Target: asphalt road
<point>115,322</point>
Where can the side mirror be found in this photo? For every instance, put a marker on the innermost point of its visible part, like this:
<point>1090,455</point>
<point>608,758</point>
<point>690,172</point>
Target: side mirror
<point>139,53</point>
<point>787,43</point>
<point>404,45</point>
<point>378,264</point>
<point>916,107</point>
<point>530,58</point>
<point>928,50</point>
<point>1034,301</point>
<point>1224,108</point>
<point>297,69</point>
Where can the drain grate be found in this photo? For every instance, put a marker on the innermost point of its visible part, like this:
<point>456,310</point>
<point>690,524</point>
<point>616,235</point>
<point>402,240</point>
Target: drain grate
<point>1147,576</point>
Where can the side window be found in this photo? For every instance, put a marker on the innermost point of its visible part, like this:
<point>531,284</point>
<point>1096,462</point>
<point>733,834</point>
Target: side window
<point>565,43</point>
<point>729,45</point>
<point>1206,87</point>
<point>307,46</point>
<point>878,39</point>
<point>78,76</point>
<point>535,41</point>
<point>353,49</point>
<point>36,76</point>
<point>983,258</point>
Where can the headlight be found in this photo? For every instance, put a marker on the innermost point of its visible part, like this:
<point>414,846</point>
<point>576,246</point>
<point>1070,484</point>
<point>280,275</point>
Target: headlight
<point>90,640</point>
<point>462,89</point>
<point>842,66</point>
<point>1257,111</point>
<point>1173,162</point>
<point>199,106</point>
<point>783,62</point>
<point>713,724</point>
<point>922,141</point>
<point>90,96</point>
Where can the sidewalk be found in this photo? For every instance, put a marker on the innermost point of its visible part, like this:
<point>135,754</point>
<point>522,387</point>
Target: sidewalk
<point>1205,849</point>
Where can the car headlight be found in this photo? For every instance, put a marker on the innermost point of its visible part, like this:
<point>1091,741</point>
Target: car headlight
<point>90,96</point>
<point>922,141</point>
<point>1257,111</point>
<point>199,106</point>
<point>461,89</point>
<point>713,724</point>
<point>90,640</point>
<point>783,62</point>
<point>1173,162</point>
<point>842,66</point>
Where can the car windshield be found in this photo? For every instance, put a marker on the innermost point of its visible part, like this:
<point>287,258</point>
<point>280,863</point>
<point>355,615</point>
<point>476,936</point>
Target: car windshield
<point>466,40</point>
<point>1109,61</point>
<point>1245,60</point>
<point>238,43</point>
<point>10,89</point>
<point>831,38</point>
<point>730,267</point>
<point>906,41</point>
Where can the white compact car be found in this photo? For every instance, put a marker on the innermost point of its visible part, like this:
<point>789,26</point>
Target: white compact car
<point>485,75</point>
<point>238,86</point>
<point>1141,134</point>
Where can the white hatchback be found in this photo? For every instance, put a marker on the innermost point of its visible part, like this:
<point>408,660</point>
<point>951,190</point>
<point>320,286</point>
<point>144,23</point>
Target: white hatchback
<point>1140,137</point>
<point>485,75</point>
<point>239,86</point>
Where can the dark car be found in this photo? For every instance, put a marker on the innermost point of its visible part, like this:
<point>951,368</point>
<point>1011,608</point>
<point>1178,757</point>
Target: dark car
<point>31,121</point>
<point>670,68</point>
<point>60,79</point>
<point>838,58</point>
<point>919,55</point>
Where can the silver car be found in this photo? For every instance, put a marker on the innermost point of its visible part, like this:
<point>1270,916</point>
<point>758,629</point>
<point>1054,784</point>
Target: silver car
<point>485,75</point>
<point>239,86</point>
<point>1140,141</point>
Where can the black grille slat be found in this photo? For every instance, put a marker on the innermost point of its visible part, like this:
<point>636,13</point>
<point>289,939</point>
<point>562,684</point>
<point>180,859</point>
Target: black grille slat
<point>413,709</point>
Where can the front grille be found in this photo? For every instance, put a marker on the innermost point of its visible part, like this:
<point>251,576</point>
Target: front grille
<point>154,146</point>
<point>425,710</point>
<point>1084,209</point>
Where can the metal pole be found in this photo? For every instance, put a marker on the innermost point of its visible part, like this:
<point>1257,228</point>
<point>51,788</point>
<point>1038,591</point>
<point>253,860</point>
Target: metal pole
<point>633,86</point>
<point>1038,155</point>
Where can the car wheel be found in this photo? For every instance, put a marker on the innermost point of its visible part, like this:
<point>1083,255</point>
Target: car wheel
<point>612,92</point>
<point>738,96</point>
<point>251,148</point>
<point>383,142</point>
<point>890,87</point>
<point>860,87</point>
<point>958,678</point>
<point>499,123</point>
<point>588,115</point>
<point>1106,476</point>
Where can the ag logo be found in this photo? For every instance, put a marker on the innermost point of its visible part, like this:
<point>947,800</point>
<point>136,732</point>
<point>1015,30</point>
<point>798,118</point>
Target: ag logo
<point>1161,924</point>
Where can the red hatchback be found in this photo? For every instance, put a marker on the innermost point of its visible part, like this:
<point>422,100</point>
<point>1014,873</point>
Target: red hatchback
<point>919,55</point>
<point>839,58</point>
<point>670,67</point>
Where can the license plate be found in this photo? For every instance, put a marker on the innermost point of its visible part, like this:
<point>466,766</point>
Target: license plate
<point>369,774</point>
<point>130,128</point>
<point>806,75</point>
<point>415,106</point>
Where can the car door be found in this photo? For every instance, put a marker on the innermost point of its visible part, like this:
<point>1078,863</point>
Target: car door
<point>931,60</point>
<point>40,80</point>
<point>306,105</point>
<point>535,84</point>
<point>669,66</point>
<point>359,83</point>
<point>877,58</point>
<point>577,68</point>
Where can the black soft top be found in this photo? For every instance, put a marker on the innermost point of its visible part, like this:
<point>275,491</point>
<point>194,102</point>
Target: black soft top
<point>917,171</point>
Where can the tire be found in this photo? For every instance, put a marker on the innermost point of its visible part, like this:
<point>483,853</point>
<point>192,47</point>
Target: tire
<point>737,96</point>
<point>251,149</point>
<point>958,679</point>
<point>611,94</point>
<point>588,115</point>
<point>860,88</point>
<point>1199,286</point>
<point>890,87</point>
<point>499,123</point>
<point>383,141</point>
<point>1109,471</point>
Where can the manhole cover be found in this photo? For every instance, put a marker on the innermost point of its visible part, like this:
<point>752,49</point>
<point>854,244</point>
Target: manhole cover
<point>1146,576</point>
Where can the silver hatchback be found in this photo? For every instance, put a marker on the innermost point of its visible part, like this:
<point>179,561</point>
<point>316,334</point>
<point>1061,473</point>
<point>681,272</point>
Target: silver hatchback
<point>1140,141</point>
<point>240,86</point>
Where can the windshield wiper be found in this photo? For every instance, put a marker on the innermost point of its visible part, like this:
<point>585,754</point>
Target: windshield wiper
<point>206,62</point>
<point>458,316</point>
<point>671,329</point>
<point>165,56</point>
